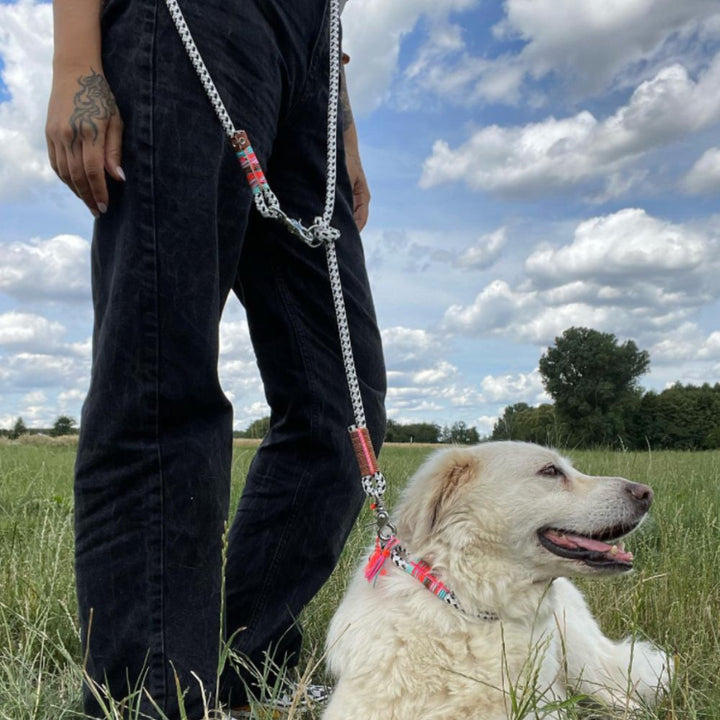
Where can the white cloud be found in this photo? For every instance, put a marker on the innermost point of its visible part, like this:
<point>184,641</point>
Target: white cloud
<point>410,252</point>
<point>445,68</point>
<point>28,332</point>
<point>539,157</point>
<point>588,46</point>
<point>34,370</point>
<point>704,176</point>
<point>410,348</point>
<point>372,33</point>
<point>687,343</point>
<point>484,253</point>
<point>593,44</point>
<point>627,273</point>
<point>628,243</point>
<point>441,373</point>
<point>442,391</point>
<point>235,341</point>
<point>26,50</point>
<point>509,389</point>
<point>53,269</point>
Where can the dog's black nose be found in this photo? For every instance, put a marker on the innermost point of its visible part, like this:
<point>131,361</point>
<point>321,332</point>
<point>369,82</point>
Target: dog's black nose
<point>642,494</point>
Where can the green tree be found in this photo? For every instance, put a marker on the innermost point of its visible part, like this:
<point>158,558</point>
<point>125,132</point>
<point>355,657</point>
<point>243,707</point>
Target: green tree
<point>258,429</point>
<point>593,381</point>
<point>411,432</point>
<point>18,429</point>
<point>529,424</point>
<point>460,434</point>
<point>505,426</point>
<point>64,425</point>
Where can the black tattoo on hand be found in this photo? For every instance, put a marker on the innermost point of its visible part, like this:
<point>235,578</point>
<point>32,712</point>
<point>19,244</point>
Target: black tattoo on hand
<point>93,102</point>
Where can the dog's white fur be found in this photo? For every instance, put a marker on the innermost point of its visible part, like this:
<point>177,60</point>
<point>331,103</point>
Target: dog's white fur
<point>400,653</point>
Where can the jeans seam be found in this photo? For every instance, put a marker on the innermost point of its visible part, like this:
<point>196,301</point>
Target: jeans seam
<point>160,670</point>
<point>284,535</point>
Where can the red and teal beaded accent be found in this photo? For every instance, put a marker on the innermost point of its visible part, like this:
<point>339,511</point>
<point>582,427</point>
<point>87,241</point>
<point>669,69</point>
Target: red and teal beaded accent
<point>250,164</point>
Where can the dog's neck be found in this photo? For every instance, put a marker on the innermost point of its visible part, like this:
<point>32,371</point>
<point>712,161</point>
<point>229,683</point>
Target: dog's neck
<point>490,585</point>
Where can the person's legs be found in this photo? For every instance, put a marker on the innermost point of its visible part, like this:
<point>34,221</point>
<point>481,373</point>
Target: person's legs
<point>153,466</point>
<point>303,490</point>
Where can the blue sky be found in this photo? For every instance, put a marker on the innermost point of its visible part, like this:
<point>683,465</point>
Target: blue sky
<point>535,164</point>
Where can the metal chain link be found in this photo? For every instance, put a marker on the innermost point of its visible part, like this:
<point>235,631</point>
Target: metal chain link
<point>200,68</point>
<point>320,232</point>
<point>266,202</point>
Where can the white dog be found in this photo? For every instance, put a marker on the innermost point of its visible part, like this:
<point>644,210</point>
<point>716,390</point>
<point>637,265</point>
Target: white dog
<point>501,525</point>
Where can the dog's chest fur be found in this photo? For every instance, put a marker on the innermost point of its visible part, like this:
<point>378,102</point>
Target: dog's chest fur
<point>394,633</point>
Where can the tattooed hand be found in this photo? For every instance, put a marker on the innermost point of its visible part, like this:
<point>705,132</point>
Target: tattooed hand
<point>84,135</point>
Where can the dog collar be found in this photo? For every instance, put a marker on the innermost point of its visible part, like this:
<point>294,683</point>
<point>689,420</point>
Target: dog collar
<point>418,569</point>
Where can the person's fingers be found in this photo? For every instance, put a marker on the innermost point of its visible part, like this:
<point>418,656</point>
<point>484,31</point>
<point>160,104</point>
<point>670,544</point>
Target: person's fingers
<point>113,148</point>
<point>62,166</point>
<point>79,181</point>
<point>361,216</point>
<point>361,202</point>
<point>93,161</point>
<point>52,154</point>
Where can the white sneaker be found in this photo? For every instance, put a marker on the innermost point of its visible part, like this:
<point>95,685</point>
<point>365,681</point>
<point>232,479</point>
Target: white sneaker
<point>311,696</point>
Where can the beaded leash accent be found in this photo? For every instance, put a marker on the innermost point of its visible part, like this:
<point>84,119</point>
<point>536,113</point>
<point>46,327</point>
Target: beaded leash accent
<point>321,233</point>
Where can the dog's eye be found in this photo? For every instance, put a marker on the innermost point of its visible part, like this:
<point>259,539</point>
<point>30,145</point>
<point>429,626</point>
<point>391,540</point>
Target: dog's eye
<point>551,471</point>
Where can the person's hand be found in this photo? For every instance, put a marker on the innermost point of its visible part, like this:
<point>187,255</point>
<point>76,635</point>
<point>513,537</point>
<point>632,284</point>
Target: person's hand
<point>84,134</point>
<point>358,181</point>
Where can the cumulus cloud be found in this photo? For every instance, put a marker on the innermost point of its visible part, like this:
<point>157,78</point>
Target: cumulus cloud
<point>26,50</point>
<point>410,348</point>
<point>444,67</point>
<point>372,34</point>
<point>588,46</point>
<point>28,332</point>
<point>558,153</point>
<point>704,176</point>
<point>54,269</point>
<point>424,383</point>
<point>484,253</point>
<point>415,396</point>
<point>417,251</point>
<point>595,43</point>
<point>33,370</point>
<point>627,244</point>
<point>627,273</point>
<point>513,388</point>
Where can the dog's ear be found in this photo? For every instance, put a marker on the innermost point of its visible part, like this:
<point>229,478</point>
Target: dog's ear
<point>456,475</point>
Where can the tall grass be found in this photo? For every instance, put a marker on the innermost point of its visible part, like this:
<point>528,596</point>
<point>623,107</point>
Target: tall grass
<point>673,597</point>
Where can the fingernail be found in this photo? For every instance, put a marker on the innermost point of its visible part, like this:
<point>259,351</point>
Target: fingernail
<point>120,172</point>
<point>102,207</point>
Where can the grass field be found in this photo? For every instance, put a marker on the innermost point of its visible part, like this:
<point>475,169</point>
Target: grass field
<point>673,597</point>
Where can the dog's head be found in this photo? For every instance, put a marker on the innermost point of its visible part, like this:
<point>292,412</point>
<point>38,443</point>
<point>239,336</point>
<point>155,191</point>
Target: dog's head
<point>523,505</point>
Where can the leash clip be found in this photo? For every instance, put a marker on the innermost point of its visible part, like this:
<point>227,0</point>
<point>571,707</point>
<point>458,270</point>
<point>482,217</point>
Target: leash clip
<point>385,529</point>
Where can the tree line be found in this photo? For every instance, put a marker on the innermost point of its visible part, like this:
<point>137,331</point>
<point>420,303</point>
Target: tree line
<point>458,433</point>
<point>64,425</point>
<point>593,381</point>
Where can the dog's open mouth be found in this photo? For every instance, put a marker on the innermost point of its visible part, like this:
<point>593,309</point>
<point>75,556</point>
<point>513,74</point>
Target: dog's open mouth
<point>595,550</point>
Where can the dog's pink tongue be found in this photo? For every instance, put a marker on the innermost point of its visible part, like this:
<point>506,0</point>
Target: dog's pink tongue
<point>578,541</point>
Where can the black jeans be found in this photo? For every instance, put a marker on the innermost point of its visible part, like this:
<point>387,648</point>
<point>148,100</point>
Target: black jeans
<point>153,466</point>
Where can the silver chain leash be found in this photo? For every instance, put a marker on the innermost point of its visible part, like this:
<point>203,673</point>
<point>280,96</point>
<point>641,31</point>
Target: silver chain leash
<point>319,233</point>
<point>265,199</point>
